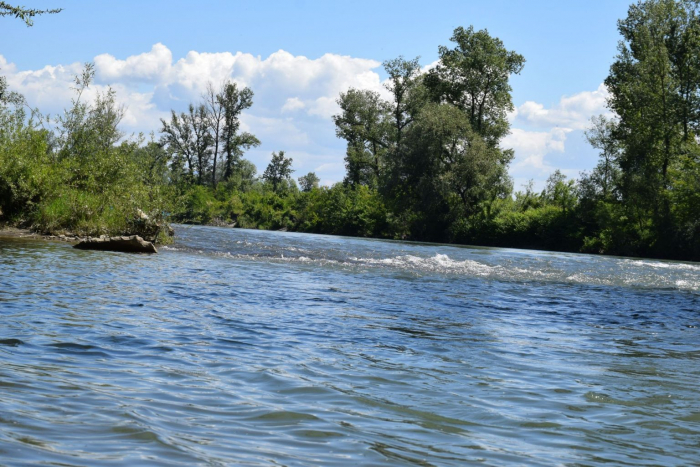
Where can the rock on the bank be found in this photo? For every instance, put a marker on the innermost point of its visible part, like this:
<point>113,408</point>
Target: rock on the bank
<point>131,244</point>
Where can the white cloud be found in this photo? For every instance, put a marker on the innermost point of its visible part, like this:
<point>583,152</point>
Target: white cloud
<point>429,66</point>
<point>324,107</point>
<point>531,147</point>
<point>537,142</point>
<point>292,104</point>
<point>151,66</point>
<point>541,136</point>
<point>572,112</point>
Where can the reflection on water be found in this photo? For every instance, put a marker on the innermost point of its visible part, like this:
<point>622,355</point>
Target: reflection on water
<point>260,348</point>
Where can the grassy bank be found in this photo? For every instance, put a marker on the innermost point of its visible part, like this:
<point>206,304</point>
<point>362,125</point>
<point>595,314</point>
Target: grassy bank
<point>78,175</point>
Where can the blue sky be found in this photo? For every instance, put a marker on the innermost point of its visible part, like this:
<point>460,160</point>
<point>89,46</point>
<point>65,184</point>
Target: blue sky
<point>298,55</point>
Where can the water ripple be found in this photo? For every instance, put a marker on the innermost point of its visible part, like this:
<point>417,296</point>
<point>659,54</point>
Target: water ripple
<point>258,348</point>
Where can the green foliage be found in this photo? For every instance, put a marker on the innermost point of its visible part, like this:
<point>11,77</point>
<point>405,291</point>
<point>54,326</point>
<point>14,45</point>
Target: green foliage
<point>25,14</point>
<point>432,150</point>
<point>473,76</point>
<point>278,171</point>
<point>234,101</point>
<point>426,164</point>
<point>26,173</point>
<point>342,210</point>
<point>199,206</point>
<point>309,182</point>
<point>641,199</point>
<point>365,123</point>
<point>339,210</point>
<point>85,183</point>
<point>197,139</point>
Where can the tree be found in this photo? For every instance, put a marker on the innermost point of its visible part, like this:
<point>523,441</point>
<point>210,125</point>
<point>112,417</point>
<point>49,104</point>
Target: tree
<point>654,87</point>
<point>86,131</point>
<point>450,171</point>
<point>601,135</point>
<point>560,192</point>
<point>234,101</point>
<point>198,137</point>
<point>9,97</point>
<point>25,14</point>
<point>474,77</point>
<point>364,124</point>
<point>404,85</point>
<point>202,140</point>
<point>278,171</point>
<point>213,103</point>
<point>309,181</point>
<point>177,138</point>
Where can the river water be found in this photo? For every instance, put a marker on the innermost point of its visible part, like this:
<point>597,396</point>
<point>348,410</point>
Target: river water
<point>266,348</point>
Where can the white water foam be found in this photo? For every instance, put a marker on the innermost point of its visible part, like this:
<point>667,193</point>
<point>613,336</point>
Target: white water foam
<point>657,274</point>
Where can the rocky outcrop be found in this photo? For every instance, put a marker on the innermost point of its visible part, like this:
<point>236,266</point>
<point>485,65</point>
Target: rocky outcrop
<point>131,244</point>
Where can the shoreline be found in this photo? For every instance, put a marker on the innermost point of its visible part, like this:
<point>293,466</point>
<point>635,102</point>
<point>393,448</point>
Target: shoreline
<point>16,232</point>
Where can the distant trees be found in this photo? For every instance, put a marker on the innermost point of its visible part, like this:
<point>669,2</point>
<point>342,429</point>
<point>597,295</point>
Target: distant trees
<point>198,139</point>
<point>278,171</point>
<point>308,182</point>
<point>424,160</point>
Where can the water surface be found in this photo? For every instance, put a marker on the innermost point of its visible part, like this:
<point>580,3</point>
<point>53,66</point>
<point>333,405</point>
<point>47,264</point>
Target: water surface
<point>266,348</point>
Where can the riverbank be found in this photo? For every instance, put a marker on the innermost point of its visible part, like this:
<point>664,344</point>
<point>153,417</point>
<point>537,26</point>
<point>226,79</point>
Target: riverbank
<point>16,232</point>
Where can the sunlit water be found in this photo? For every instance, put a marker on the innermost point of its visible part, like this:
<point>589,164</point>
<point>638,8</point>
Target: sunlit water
<point>264,348</point>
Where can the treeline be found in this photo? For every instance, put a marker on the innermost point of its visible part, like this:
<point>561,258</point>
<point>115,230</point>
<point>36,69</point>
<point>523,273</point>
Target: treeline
<point>417,166</point>
<point>425,164</point>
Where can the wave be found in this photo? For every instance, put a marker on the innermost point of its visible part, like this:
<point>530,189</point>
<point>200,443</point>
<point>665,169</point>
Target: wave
<point>497,265</point>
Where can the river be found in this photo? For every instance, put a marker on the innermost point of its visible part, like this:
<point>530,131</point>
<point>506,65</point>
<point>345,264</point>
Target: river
<point>267,348</point>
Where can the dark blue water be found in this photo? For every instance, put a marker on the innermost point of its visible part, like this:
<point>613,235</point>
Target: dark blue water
<point>264,348</point>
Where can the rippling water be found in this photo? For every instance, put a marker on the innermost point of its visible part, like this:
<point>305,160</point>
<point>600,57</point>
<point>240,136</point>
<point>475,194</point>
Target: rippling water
<point>265,348</point>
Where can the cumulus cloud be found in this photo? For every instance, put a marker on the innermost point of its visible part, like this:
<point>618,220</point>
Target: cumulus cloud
<point>537,142</point>
<point>531,147</point>
<point>292,104</point>
<point>541,136</point>
<point>151,66</point>
<point>572,112</point>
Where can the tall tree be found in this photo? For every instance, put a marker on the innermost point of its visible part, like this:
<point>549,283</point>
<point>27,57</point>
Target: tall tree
<point>215,115</point>
<point>234,101</point>
<point>404,85</point>
<point>601,135</point>
<point>654,87</point>
<point>177,137</point>
<point>364,123</point>
<point>474,77</point>
<point>451,172</point>
<point>202,140</point>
